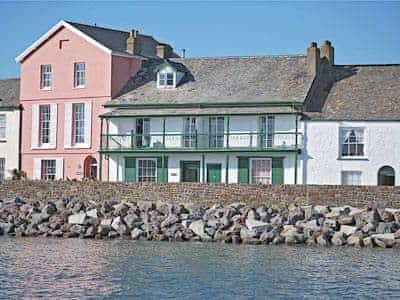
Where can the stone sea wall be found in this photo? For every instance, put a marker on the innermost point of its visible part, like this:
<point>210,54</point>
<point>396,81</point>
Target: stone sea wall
<point>207,194</point>
<point>319,225</point>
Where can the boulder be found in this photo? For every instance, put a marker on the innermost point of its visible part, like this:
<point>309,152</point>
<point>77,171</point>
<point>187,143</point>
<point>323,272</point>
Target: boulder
<point>354,240</point>
<point>348,230</point>
<point>79,229</point>
<point>345,220</point>
<point>308,211</point>
<point>92,213</point>
<point>77,218</point>
<point>136,233</point>
<point>321,209</point>
<point>295,214</point>
<point>385,227</point>
<point>198,228</point>
<point>169,221</point>
<point>395,213</point>
<point>257,226</point>
<point>322,241</point>
<point>247,234</point>
<point>106,222</point>
<point>338,239</point>
<point>119,226</point>
<point>267,236</point>
<point>367,242</point>
<point>385,215</point>
<point>385,240</point>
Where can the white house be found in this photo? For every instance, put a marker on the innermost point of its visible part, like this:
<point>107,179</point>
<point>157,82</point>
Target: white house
<point>226,119</point>
<point>353,137</point>
<point>10,118</point>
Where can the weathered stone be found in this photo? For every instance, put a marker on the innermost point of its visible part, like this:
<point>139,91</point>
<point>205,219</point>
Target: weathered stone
<point>321,209</point>
<point>385,215</point>
<point>257,226</point>
<point>210,231</point>
<point>198,228</point>
<point>367,242</point>
<point>79,229</point>
<point>169,221</point>
<point>112,234</point>
<point>77,218</point>
<point>395,213</point>
<point>295,214</point>
<point>136,233</point>
<point>354,240</point>
<point>92,213</point>
<point>385,227</point>
<point>345,220</point>
<point>322,241</point>
<point>348,230</point>
<point>267,237</point>
<point>106,222</point>
<point>247,234</point>
<point>385,240</point>
<point>338,239</point>
<point>119,226</point>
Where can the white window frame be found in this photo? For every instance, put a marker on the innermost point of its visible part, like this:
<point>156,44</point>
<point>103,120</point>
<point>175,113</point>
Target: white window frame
<point>74,124</point>
<point>2,168</point>
<point>79,75</point>
<point>46,177</point>
<point>251,168</point>
<point>3,127</point>
<point>265,124</point>
<point>342,133</point>
<point>165,85</point>
<point>48,122</point>
<point>351,173</point>
<point>45,77</point>
<point>137,168</point>
<point>189,137</point>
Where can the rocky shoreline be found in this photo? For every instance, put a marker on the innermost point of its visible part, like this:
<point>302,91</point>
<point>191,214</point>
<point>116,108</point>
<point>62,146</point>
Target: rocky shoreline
<point>235,223</point>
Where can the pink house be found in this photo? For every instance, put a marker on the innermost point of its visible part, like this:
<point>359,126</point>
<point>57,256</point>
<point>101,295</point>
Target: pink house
<point>66,77</point>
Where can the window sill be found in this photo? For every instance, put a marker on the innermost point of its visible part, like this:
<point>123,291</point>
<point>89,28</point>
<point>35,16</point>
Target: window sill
<point>79,87</point>
<point>44,147</point>
<point>353,158</point>
<point>80,146</point>
<point>3,140</point>
<point>45,89</point>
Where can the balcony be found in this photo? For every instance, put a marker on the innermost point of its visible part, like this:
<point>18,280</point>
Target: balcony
<point>201,142</point>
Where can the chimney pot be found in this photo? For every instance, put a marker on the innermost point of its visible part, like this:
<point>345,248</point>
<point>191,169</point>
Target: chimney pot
<point>163,50</point>
<point>132,42</point>
<point>329,52</point>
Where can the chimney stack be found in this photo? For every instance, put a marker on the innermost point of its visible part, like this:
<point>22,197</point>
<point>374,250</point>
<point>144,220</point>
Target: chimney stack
<point>132,42</point>
<point>183,53</point>
<point>329,52</point>
<point>163,51</point>
<point>313,57</point>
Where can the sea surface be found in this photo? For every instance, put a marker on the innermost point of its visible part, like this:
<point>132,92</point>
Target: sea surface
<point>82,269</point>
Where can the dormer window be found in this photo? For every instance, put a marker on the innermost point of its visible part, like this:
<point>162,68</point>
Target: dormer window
<point>166,80</point>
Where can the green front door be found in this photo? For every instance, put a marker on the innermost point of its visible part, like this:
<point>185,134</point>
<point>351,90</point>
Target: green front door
<point>190,171</point>
<point>214,173</point>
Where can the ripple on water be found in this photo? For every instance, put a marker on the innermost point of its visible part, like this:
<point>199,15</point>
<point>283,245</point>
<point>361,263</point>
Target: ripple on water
<point>74,268</point>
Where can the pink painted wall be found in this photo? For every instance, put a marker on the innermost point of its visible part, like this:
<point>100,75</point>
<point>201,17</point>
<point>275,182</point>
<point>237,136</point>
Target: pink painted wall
<point>98,89</point>
<point>122,68</point>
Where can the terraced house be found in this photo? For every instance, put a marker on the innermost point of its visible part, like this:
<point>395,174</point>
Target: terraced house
<point>66,77</point>
<point>10,120</point>
<point>226,119</point>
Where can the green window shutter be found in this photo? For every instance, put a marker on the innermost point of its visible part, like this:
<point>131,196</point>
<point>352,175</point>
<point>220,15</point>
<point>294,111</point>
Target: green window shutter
<point>130,169</point>
<point>277,170</point>
<point>161,173</point>
<point>243,170</point>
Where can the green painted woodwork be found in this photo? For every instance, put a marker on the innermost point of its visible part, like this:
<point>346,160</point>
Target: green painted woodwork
<point>190,171</point>
<point>214,173</point>
<point>243,170</point>
<point>130,169</point>
<point>160,170</point>
<point>277,170</point>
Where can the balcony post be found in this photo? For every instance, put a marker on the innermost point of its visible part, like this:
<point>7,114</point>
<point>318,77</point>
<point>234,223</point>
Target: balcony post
<point>163,138</point>
<point>296,153</point>
<point>107,136</point>
<point>101,148</point>
<point>227,169</point>
<point>203,168</point>
<point>227,132</point>
<point>132,139</point>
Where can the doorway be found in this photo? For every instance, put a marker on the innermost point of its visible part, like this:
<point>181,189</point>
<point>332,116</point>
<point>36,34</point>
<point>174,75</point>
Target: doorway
<point>90,168</point>
<point>386,176</point>
<point>190,171</point>
<point>214,173</point>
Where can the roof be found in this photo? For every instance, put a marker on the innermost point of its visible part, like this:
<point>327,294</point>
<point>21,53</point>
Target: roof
<point>9,93</point>
<point>369,92</point>
<point>222,79</point>
<point>109,40</point>
<point>198,111</point>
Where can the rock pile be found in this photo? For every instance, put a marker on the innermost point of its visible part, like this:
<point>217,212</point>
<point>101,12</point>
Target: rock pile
<point>234,223</point>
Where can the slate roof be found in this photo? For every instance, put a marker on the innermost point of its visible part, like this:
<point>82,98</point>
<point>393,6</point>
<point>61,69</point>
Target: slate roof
<point>116,39</point>
<point>223,79</point>
<point>370,92</point>
<point>9,93</point>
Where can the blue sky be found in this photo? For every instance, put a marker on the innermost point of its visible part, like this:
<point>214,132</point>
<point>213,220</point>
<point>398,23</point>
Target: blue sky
<point>361,32</point>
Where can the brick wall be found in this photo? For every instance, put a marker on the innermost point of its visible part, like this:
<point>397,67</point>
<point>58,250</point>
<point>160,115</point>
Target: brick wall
<point>205,193</point>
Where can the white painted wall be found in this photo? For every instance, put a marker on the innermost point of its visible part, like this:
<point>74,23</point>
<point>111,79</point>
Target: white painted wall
<point>9,147</point>
<point>175,125</point>
<point>322,164</point>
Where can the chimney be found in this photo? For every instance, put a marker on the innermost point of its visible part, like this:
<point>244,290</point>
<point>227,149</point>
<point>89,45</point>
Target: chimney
<point>329,52</point>
<point>132,42</point>
<point>313,59</point>
<point>163,51</point>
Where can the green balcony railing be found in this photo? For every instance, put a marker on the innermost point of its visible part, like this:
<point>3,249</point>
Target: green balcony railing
<point>202,141</point>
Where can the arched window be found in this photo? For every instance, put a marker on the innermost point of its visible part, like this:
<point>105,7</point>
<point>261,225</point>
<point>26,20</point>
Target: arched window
<point>386,176</point>
<point>90,168</point>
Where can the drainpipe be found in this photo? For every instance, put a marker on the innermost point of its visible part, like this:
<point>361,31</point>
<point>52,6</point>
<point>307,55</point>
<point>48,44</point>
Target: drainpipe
<point>296,153</point>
